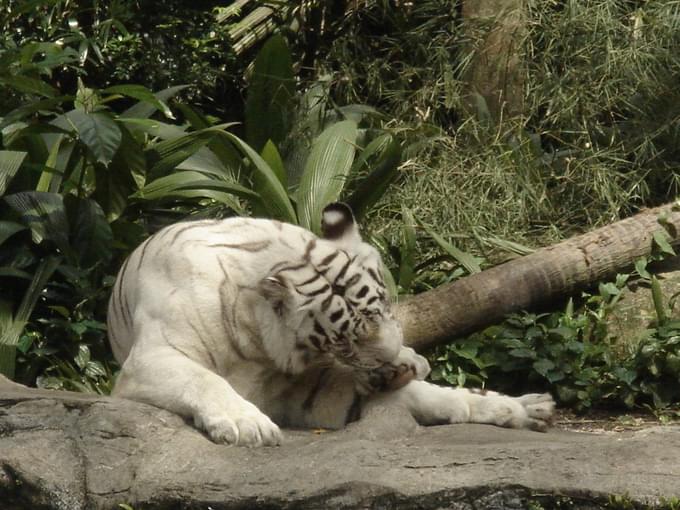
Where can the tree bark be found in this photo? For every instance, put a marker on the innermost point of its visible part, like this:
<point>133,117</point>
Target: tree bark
<point>534,280</point>
<point>496,72</point>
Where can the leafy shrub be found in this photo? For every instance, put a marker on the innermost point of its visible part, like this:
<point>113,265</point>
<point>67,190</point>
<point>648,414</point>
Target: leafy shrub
<point>84,178</point>
<point>125,41</point>
<point>571,354</point>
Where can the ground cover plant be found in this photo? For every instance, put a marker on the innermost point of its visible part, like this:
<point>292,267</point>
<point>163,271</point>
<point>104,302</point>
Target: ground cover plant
<point>104,142</point>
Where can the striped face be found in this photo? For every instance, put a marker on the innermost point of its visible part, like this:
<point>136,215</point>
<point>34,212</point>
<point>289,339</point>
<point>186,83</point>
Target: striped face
<point>335,299</point>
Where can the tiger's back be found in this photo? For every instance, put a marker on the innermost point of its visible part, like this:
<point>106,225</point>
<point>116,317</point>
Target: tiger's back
<point>193,267</point>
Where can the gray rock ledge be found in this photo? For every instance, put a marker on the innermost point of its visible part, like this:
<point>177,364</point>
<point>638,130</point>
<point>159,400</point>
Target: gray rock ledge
<point>72,451</point>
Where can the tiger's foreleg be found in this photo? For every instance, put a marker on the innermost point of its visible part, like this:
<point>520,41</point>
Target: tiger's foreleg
<point>193,391</point>
<point>432,405</point>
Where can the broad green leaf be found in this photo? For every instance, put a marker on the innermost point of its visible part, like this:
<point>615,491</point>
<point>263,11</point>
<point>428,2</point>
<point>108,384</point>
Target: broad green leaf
<point>658,299</point>
<point>271,155</point>
<point>87,99</point>
<point>270,93</point>
<point>8,229</point>
<point>219,196</point>
<point>15,273</point>
<point>50,164</point>
<point>661,240</point>
<point>125,175</point>
<point>45,215</point>
<point>220,147</point>
<point>31,108</point>
<point>189,180</point>
<point>273,194</point>
<point>10,161</point>
<point>168,154</point>
<point>92,239</point>
<point>205,160</point>
<point>143,94</point>
<point>99,132</point>
<point>326,171</point>
<point>464,259</point>
<point>29,85</point>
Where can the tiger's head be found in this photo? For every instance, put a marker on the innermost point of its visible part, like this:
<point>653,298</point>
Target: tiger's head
<point>334,299</point>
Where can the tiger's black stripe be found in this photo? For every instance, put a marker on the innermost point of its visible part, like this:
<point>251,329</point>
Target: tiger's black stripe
<point>344,269</point>
<point>329,258</point>
<point>314,392</point>
<point>252,247</point>
<point>371,272</point>
<point>316,292</point>
<point>122,301</point>
<point>205,345</point>
<point>308,249</point>
<point>354,411</point>
<point>145,245</point>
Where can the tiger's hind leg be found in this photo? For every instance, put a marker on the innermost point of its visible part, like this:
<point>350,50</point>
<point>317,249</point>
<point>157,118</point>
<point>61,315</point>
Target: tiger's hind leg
<point>433,405</point>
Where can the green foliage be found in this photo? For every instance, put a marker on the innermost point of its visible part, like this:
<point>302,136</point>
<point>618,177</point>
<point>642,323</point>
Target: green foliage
<point>89,174</point>
<point>597,139</point>
<point>572,354</point>
<point>120,42</point>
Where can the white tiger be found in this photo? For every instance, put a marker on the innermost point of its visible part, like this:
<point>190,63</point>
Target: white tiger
<point>246,325</point>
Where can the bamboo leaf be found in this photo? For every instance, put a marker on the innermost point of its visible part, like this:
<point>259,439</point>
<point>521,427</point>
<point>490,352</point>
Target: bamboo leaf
<point>464,259</point>
<point>10,161</point>
<point>407,249</point>
<point>326,171</point>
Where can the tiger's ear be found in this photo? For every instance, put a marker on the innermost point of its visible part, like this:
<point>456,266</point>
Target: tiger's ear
<point>338,224</point>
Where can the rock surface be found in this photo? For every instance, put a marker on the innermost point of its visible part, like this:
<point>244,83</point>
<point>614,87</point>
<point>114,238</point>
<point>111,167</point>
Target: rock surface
<point>72,451</point>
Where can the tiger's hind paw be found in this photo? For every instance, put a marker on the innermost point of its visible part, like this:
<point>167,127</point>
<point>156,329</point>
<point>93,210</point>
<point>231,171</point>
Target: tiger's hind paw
<point>539,408</point>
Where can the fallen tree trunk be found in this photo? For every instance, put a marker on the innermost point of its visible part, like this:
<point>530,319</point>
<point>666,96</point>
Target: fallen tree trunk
<point>534,280</point>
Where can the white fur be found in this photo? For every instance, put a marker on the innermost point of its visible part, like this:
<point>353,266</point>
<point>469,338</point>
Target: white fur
<point>198,328</point>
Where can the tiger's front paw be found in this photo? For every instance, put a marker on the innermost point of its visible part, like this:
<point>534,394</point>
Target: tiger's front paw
<point>249,427</point>
<point>411,365</point>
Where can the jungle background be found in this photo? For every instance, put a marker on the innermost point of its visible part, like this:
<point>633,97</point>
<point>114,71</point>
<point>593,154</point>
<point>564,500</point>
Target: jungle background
<point>462,133</point>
